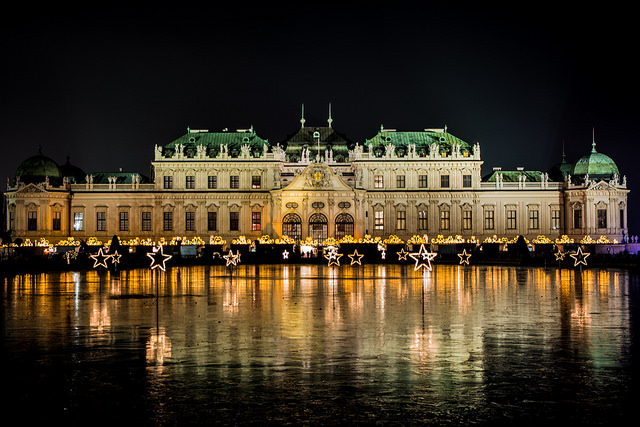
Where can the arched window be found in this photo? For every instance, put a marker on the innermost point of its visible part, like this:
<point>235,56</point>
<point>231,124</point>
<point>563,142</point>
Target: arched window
<point>318,229</point>
<point>292,226</point>
<point>344,225</point>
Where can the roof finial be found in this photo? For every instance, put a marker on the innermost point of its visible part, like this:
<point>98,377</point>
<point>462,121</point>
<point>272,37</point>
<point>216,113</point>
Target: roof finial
<point>302,119</point>
<point>445,128</point>
<point>564,157</point>
<point>330,119</point>
<point>593,144</point>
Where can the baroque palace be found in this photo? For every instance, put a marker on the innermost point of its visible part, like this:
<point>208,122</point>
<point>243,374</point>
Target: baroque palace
<point>316,183</point>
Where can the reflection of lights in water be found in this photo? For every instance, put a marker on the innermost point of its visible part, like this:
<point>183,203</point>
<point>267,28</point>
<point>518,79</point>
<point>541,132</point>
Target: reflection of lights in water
<point>423,346</point>
<point>158,348</point>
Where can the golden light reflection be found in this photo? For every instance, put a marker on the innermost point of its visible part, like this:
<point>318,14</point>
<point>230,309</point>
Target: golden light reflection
<point>158,348</point>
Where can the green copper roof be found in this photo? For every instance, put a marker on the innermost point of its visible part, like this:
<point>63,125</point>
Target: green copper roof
<point>422,140</point>
<point>212,141</point>
<point>596,165</point>
<point>313,138</point>
<point>37,168</point>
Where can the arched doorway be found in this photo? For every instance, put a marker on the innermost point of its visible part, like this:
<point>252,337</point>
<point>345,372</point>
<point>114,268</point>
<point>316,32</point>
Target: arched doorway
<point>318,227</point>
<point>292,226</point>
<point>344,225</point>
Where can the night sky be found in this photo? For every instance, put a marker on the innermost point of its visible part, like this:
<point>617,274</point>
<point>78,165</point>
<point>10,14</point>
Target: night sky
<point>103,85</point>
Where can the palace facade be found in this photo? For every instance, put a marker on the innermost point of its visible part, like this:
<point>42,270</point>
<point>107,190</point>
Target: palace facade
<point>317,183</point>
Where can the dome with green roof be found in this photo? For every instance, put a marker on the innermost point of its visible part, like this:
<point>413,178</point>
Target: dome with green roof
<point>37,168</point>
<point>597,165</point>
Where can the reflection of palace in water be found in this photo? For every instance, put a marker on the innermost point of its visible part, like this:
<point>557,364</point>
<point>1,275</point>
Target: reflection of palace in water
<point>317,183</point>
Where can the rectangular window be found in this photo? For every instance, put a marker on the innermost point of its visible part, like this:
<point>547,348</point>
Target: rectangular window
<point>378,182</point>
<point>422,220</point>
<point>101,221</point>
<point>602,218</point>
<point>466,181</point>
<point>255,182</point>
<point>400,181</point>
<point>255,221</point>
<point>555,219</point>
<point>444,181</point>
<point>190,182</point>
<point>78,221</point>
<point>401,220</point>
<point>534,219</point>
<point>379,220</point>
<point>234,221</point>
<point>511,219</point>
<point>32,220</point>
<point>168,182</point>
<point>57,221</point>
<point>445,220</point>
<point>234,181</point>
<point>621,218</point>
<point>212,181</point>
<point>467,220</point>
<point>167,221</point>
<point>577,218</point>
<point>146,221</point>
<point>489,223</point>
<point>124,221</point>
<point>190,221</point>
<point>422,181</point>
<point>212,221</point>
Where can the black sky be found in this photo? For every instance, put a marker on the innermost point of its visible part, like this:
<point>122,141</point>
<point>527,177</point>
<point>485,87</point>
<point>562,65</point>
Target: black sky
<point>104,84</point>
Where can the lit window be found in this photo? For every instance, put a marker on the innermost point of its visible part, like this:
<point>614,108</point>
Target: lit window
<point>234,181</point>
<point>379,220</point>
<point>511,219</point>
<point>489,220</point>
<point>255,221</point>
<point>255,181</point>
<point>555,219</point>
<point>445,220</point>
<point>422,181</point>
<point>78,221</point>
<point>401,220</point>
<point>422,220</point>
<point>467,220</point>
<point>191,182</point>
<point>534,220</point>
<point>602,218</point>
<point>378,182</point>
<point>400,181</point>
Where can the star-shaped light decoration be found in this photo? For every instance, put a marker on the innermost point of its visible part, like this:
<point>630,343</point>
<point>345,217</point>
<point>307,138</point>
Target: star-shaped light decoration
<point>356,257</point>
<point>115,258</point>
<point>285,254</point>
<point>423,258</point>
<point>158,258</point>
<point>333,256</point>
<point>580,257</point>
<point>464,257</point>
<point>100,259</point>
<point>402,255</point>
<point>232,259</point>
<point>559,256</point>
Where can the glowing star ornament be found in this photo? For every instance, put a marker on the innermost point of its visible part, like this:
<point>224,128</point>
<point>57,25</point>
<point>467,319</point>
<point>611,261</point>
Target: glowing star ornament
<point>232,259</point>
<point>559,256</point>
<point>333,256</point>
<point>580,257</point>
<point>285,254</point>
<point>115,258</point>
<point>356,257</point>
<point>402,255</point>
<point>100,259</point>
<point>158,258</point>
<point>423,258</point>
<point>464,257</point>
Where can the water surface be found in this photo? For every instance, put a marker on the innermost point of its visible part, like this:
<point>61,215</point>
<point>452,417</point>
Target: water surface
<point>312,344</point>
